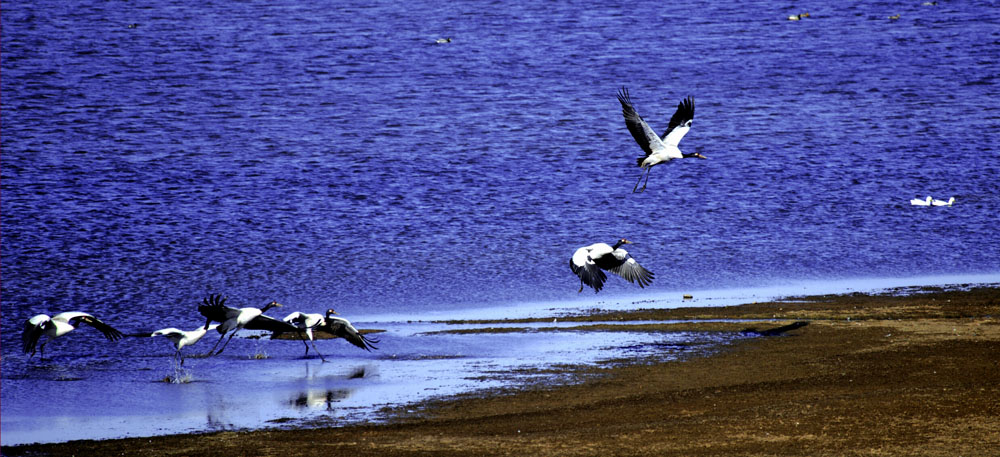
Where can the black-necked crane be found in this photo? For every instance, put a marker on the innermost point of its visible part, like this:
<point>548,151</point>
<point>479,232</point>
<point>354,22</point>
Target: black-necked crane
<point>59,325</point>
<point>181,338</point>
<point>658,149</point>
<point>590,262</point>
<point>215,309</point>
<point>305,323</point>
<point>342,328</point>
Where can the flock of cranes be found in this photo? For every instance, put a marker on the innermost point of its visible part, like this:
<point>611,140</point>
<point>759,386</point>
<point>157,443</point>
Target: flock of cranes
<point>214,309</point>
<point>589,263</point>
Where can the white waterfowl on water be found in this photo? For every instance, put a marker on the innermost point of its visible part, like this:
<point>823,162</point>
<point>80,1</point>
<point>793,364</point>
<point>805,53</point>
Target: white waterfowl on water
<point>590,262</point>
<point>215,309</point>
<point>658,149</point>
<point>59,325</point>
<point>181,338</point>
<point>937,202</point>
<point>919,202</point>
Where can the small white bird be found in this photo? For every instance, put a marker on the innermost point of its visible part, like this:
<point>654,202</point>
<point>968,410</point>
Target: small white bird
<point>919,202</point>
<point>589,261</point>
<point>658,149</point>
<point>305,323</point>
<point>180,338</point>
<point>937,202</point>
<point>59,325</point>
<point>215,309</point>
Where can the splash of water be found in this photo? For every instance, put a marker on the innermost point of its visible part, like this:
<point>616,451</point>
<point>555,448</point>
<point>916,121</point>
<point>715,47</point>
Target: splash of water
<point>179,376</point>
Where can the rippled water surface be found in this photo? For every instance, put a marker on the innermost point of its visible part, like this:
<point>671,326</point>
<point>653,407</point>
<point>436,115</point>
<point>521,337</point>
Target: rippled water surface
<point>331,154</point>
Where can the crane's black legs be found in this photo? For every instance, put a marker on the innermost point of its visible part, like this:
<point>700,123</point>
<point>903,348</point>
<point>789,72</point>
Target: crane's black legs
<point>314,347</point>
<point>231,335</point>
<point>304,343</point>
<point>317,351</point>
<point>216,345</point>
<point>645,172</point>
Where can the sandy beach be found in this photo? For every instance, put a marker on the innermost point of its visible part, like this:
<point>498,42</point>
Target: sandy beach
<point>890,374</point>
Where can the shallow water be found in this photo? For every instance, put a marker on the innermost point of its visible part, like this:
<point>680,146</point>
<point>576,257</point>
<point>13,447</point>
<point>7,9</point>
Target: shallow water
<point>263,383</point>
<point>258,383</point>
<point>326,156</point>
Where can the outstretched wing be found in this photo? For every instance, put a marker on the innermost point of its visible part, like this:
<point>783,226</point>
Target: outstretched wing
<point>680,122</point>
<point>343,329</point>
<point>622,264</point>
<point>169,332</point>
<point>302,320</point>
<point>33,329</point>
<point>269,324</point>
<point>214,309</point>
<point>76,318</point>
<point>584,267</point>
<point>640,130</point>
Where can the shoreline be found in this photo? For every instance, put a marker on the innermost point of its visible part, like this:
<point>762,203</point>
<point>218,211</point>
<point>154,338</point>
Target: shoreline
<point>870,374</point>
<point>701,297</point>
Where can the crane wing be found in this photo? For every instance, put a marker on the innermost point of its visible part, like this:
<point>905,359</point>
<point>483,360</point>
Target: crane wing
<point>588,271</point>
<point>680,122</point>
<point>170,333</point>
<point>270,324</point>
<point>648,140</point>
<point>214,309</point>
<point>33,329</point>
<point>622,264</point>
<point>75,318</point>
<point>109,332</point>
<point>343,329</point>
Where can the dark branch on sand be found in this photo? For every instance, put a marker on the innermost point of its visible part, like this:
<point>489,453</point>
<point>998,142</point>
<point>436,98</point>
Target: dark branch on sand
<point>774,331</point>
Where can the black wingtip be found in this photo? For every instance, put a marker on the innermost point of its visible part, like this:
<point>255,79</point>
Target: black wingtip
<point>113,334</point>
<point>623,97</point>
<point>687,106</point>
<point>368,343</point>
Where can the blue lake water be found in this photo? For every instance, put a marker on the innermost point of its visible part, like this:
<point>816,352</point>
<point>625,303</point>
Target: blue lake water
<point>331,155</point>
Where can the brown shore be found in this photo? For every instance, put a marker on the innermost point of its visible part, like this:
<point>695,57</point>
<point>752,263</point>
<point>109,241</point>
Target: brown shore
<point>870,375</point>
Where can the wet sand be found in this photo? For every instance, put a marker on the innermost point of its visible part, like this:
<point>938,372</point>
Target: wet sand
<point>869,375</point>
